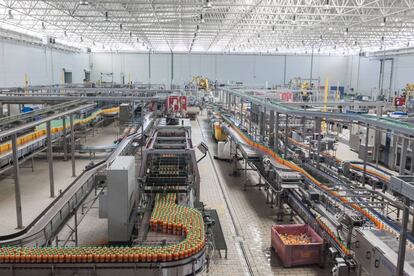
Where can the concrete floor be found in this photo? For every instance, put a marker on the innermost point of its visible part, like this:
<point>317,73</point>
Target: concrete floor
<point>35,185</point>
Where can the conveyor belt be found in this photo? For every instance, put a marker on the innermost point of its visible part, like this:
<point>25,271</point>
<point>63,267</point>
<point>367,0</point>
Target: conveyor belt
<point>384,123</point>
<point>248,152</point>
<point>377,218</point>
<point>373,171</point>
<point>61,208</point>
<point>265,150</point>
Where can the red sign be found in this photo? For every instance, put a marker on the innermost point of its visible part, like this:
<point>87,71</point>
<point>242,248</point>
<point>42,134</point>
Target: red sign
<point>183,100</point>
<point>286,96</point>
<point>176,103</point>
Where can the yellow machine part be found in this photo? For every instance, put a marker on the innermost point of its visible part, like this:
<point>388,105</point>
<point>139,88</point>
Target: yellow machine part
<point>218,133</point>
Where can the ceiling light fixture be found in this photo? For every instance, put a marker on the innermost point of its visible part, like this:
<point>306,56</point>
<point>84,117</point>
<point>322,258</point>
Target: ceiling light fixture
<point>207,4</point>
<point>10,16</point>
<point>326,6</point>
<point>83,3</point>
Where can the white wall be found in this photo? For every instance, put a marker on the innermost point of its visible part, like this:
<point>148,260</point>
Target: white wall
<point>403,71</point>
<point>43,66</point>
<point>249,69</point>
<point>368,79</point>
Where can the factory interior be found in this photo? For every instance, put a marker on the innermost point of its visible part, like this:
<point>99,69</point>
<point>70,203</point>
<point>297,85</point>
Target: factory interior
<point>206,137</point>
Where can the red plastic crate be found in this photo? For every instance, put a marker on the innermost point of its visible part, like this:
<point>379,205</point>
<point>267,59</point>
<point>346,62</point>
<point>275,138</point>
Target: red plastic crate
<point>297,254</point>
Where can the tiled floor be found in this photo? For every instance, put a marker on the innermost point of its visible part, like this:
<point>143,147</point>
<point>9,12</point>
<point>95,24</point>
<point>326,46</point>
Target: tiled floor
<point>252,218</point>
<point>35,185</point>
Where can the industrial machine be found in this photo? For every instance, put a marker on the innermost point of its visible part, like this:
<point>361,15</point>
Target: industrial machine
<point>149,200</point>
<point>326,192</point>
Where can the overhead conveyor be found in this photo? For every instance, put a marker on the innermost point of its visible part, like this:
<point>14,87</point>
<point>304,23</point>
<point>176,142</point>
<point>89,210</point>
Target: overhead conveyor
<point>56,95</point>
<point>372,121</point>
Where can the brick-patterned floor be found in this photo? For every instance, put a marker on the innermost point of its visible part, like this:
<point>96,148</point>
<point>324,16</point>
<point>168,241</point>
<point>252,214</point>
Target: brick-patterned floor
<point>252,217</point>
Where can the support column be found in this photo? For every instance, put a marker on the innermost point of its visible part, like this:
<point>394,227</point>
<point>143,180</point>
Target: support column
<point>241,112</point>
<point>377,145</point>
<point>393,157</point>
<point>364,178</point>
<point>76,226</point>
<point>311,140</point>
<point>286,136</point>
<point>250,122</point>
<point>17,193</point>
<point>142,128</point>
<point>261,123</point>
<point>272,129</point>
<point>65,145</point>
<point>303,121</point>
<point>377,140</point>
<point>72,142</point>
<point>412,158</point>
<point>403,155</point>
<point>50,158</point>
<point>403,239</point>
<point>277,132</point>
<point>318,153</point>
<point>264,123</point>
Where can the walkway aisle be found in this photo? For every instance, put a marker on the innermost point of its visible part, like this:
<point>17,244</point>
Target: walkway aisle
<point>253,218</point>
<point>212,197</point>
